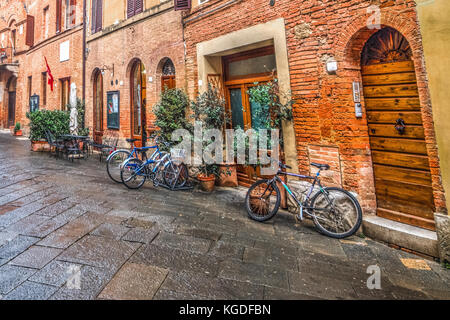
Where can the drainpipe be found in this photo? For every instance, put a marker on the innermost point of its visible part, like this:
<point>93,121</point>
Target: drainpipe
<point>84,60</point>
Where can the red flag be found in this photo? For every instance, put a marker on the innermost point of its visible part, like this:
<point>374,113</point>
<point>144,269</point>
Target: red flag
<point>50,76</point>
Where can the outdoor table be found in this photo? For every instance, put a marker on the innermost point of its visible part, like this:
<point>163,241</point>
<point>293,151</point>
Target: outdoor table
<point>73,144</point>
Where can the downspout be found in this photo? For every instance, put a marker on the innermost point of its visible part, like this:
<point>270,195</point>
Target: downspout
<point>84,61</point>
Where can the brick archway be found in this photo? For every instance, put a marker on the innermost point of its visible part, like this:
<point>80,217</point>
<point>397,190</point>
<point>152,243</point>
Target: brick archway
<point>349,46</point>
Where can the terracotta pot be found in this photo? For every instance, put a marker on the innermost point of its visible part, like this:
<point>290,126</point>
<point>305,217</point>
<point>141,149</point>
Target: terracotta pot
<point>207,182</point>
<point>18,133</point>
<point>228,176</point>
<point>39,146</point>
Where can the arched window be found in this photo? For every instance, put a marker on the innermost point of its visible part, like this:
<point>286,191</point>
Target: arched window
<point>167,74</point>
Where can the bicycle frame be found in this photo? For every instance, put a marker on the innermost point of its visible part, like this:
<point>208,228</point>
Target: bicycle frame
<point>303,205</point>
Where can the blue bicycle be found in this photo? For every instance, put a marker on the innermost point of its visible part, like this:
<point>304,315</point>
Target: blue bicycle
<point>159,168</point>
<point>117,158</point>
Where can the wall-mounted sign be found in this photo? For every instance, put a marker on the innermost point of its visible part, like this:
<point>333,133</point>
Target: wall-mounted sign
<point>34,102</point>
<point>64,49</point>
<point>113,109</point>
<point>356,92</point>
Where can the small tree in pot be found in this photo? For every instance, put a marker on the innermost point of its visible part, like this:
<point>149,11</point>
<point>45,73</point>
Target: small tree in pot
<point>209,108</point>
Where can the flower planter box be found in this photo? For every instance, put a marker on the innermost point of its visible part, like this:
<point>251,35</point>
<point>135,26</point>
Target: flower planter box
<point>228,176</point>
<point>18,133</point>
<point>40,146</point>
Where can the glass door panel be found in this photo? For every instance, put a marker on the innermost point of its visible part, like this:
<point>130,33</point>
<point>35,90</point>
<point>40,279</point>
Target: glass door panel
<point>237,112</point>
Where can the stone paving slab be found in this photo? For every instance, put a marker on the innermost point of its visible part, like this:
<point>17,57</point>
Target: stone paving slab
<point>92,281</point>
<point>141,235</point>
<point>134,282</point>
<point>36,257</point>
<point>95,251</point>
<point>16,246</point>
<point>211,287</point>
<point>56,273</point>
<point>31,291</point>
<point>177,260</point>
<point>254,273</point>
<point>69,233</point>
<point>12,276</point>
<point>182,242</point>
<point>109,230</point>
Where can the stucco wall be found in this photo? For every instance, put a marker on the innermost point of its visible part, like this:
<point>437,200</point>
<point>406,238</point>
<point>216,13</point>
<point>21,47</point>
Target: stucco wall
<point>434,19</point>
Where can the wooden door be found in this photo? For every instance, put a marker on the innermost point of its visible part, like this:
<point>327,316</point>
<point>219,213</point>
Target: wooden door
<point>400,162</point>
<point>244,115</point>
<point>138,93</point>
<point>11,108</point>
<point>167,82</point>
<point>98,108</point>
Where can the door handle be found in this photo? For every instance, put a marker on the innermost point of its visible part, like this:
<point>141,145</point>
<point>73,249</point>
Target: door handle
<point>400,126</point>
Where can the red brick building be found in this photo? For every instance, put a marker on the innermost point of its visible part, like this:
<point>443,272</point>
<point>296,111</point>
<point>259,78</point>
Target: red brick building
<point>387,152</point>
<point>355,69</point>
<point>40,29</point>
<point>134,49</point>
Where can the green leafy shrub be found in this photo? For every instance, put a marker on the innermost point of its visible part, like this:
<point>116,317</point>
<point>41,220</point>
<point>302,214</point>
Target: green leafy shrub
<point>268,96</point>
<point>170,113</point>
<point>56,121</point>
<point>209,108</point>
<point>17,127</point>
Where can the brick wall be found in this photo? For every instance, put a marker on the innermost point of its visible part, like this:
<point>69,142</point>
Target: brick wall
<point>31,60</point>
<point>150,39</point>
<point>324,110</point>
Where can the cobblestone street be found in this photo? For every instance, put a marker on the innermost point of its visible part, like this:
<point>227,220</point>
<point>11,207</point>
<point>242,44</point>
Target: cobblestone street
<point>59,217</point>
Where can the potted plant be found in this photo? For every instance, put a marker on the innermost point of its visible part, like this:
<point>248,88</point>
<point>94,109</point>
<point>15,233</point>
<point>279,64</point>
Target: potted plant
<point>41,120</point>
<point>170,113</point>
<point>17,129</point>
<point>227,175</point>
<point>207,176</point>
<point>209,109</point>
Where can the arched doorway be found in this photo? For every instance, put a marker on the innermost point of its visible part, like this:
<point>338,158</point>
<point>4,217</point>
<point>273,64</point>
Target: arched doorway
<point>168,75</point>
<point>11,86</point>
<point>98,106</point>
<point>399,154</point>
<point>138,98</point>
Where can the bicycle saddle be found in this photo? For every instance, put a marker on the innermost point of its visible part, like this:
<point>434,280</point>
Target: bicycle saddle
<point>321,166</point>
<point>131,140</point>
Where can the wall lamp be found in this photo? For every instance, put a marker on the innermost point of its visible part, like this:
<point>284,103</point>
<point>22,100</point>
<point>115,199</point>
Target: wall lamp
<point>105,67</point>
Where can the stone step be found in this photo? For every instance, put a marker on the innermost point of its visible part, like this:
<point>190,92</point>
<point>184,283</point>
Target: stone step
<point>403,235</point>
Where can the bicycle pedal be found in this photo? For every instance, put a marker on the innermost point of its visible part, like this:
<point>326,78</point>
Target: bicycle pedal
<point>298,218</point>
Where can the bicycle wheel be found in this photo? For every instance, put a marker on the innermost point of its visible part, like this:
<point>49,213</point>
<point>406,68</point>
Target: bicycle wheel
<point>133,174</point>
<point>175,175</point>
<point>263,200</point>
<point>336,212</point>
<point>114,164</point>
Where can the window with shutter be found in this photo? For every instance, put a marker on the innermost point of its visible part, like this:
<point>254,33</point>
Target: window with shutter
<point>130,8</point>
<point>134,7</point>
<point>93,20</point>
<point>182,4</point>
<point>138,6</point>
<point>99,16</point>
<point>29,40</point>
<point>58,15</point>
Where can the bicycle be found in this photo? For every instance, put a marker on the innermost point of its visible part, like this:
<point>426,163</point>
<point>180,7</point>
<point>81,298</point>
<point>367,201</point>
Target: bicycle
<point>117,158</point>
<point>335,211</point>
<point>134,172</point>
